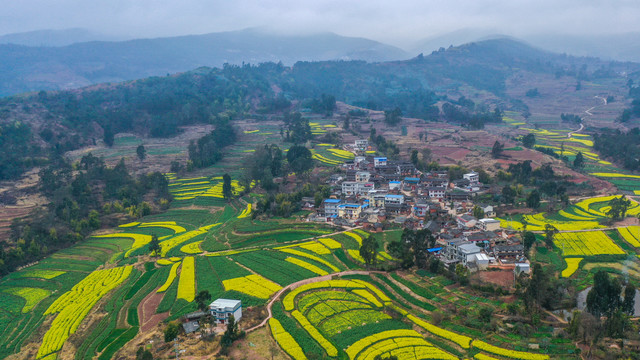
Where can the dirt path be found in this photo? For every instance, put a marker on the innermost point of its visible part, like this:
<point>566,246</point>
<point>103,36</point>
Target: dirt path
<point>581,127</point>
<point>147,311</point>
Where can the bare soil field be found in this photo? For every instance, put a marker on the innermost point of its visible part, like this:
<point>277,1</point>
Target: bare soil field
<point>502,278</point>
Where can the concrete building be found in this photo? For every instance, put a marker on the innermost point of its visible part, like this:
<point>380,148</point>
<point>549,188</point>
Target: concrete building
<point>331,207</point>
<point>436,192</point>
<point>363,176</point>
<point>393,199</point>
<point>221,309</point>
<point>466,221</point>
<point>395,185</point>
<point>379,161</point>
<point>473,177</point>
<point>356,188</point>
<point>361,144</point>
<point>488,224</point>
<point>351,211</point>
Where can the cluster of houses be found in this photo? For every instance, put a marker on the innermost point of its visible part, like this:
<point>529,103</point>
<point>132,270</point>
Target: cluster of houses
<point>373,191</point>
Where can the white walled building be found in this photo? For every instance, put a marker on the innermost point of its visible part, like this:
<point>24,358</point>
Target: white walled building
<point>221,309</point>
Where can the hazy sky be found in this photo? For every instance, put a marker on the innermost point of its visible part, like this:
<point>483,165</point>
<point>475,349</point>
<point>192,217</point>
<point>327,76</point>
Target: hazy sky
<point>396,22</point>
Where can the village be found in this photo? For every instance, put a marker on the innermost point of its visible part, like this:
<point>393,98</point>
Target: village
<point>375,192</point>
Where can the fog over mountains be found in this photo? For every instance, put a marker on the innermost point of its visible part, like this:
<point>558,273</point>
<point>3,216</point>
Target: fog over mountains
<point>64,59</point>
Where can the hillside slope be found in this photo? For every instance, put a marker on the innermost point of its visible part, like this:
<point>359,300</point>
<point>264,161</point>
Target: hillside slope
<point>53,68</point>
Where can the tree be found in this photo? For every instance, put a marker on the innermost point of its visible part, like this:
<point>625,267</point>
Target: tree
<point>202,300</point>
<point>549,232</point>
<point>496,150</point>
<point>628,304</point>
<point>462,274</point>
<point>227,190</point>
<point>108,136</point>
<point>619,207</point>
<point>533,200</point>
<point>604,296</point>
<point>299,158</point>
<point>508,194</point>
<point>369,250</point>
<point>578,162</point>
<point>143,354</point>
<point>171,332</point>
<point>478,213</point>
<point>393,117</point>
<point>529,140</point>
<point>231,334</point>
<point>141,152</point>
<point>154,245</point>
<point>528,239</point>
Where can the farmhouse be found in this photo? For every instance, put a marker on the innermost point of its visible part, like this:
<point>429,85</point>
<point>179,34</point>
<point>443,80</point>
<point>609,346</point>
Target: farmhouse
<point>221,309</point>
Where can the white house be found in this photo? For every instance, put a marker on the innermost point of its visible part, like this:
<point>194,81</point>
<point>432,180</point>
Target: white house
<point>356,188</point>
<point>221,309</point>
<point>473,177</point>
<point>379,161</point>
<point>361,144</point>
<point>488,224</point>
<point>436,192</point>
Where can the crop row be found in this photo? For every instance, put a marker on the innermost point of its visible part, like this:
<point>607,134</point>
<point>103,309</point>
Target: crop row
<point>586,244</point>
<point>32,296</point>
<point>285,340</point>
<point>254,285</point>
<point>309,300</point>
<point>192,248</point>
<point>315,334</point>
<point>245,213</point>
<point>139,240</point>
<point>74,305</point>
<point>305,265</point>
<point>336,324</point>
<point>284,273</point>
<point>187,284</point>
<point>174,241</point>
<point>406,348</point>
<point>631,235</point>
<point>173,273</point>
<point>312,257</point>
<point>572,266</point>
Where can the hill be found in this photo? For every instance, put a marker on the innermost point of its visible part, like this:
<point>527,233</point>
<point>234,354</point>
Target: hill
<point>27,68</point>
<point>61,37</point>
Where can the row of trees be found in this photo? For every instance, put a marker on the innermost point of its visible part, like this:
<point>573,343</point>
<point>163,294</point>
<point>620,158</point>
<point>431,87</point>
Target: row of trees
<point>83,197</point>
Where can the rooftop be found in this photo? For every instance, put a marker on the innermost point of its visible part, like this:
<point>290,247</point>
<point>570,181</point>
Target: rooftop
<point>223,303</point>
<point>332,201</point>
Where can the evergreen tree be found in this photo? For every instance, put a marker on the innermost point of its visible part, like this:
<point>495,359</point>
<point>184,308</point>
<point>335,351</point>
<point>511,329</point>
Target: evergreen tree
<point>629,303</point>
<point>227,190</point>
<point>496,150</point>
<point>369,250</point>
<point>154,245</point>
<point>141,152</point>
<point>533,200</point>
<point>578,162</point>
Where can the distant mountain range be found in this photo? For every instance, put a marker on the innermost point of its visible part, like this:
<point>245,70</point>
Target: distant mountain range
<point>62,37</point>
<point>619,47</point>
<point>66,59</point>
<point>32,68</point>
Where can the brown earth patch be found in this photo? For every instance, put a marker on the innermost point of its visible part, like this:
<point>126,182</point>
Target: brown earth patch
<point>502,278</point>
<point>147,311</point>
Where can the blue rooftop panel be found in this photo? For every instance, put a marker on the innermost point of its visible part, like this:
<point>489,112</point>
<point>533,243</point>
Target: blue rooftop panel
<point>395,196</point>
<point>332,201</point>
